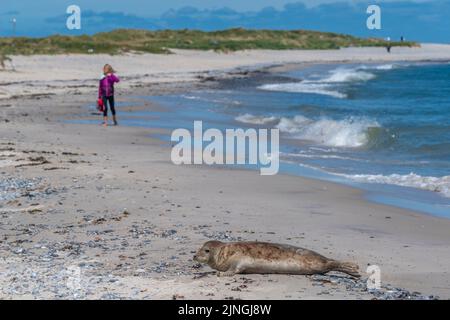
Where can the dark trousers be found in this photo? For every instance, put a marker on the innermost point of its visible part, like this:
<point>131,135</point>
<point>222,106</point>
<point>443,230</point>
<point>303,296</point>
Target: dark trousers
<point>108,101</point>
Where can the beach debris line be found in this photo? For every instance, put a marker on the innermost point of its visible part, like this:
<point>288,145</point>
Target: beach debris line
<point>34,161</point>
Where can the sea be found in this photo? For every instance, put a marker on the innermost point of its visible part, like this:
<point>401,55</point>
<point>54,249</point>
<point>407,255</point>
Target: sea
<point>381,127</point>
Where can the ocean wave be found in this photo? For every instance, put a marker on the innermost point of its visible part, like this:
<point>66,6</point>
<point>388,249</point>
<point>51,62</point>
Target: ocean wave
<point>252,119</point>
<point>304,87</point>
<point>317,156</point>
<point>386,67</point>
<point>326,85</point>
<point>351,132</point>
<point>204,99</point>
<point>293,125</point>
<point>348,75</point>
<point>435,184</point>
<point>378,67</point>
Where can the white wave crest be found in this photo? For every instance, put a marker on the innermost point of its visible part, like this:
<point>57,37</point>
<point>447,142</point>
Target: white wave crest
<point>385,67</point>
<point>348,75</point>
<point>326,85</point>
<point>252,119</point>
<point>304,87</point>
<point>435,184</point>
<point>350,132</point>
<point>378,67</point>
<point>293,125</point>
<point>316,156</point>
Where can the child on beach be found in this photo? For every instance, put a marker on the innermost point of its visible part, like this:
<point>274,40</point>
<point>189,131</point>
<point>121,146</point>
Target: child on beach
<point>106,93</point>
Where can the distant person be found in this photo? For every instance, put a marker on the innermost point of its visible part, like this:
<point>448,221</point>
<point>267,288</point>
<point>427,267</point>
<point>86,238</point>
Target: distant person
<point>106,93</point>
<point>388,46</point>
<point>402,39</point>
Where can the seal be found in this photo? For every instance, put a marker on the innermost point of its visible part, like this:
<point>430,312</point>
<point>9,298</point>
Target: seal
<point>266,258</point>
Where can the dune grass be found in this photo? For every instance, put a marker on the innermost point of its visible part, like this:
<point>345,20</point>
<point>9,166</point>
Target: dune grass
<point>128,40</point>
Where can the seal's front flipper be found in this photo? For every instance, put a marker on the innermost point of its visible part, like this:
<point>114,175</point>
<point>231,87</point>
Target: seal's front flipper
<point>234,269</point>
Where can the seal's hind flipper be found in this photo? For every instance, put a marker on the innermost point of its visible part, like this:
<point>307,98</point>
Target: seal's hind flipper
<point>346,267</point>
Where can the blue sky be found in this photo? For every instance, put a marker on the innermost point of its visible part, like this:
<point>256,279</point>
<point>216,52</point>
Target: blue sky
<point>426,20</point>
<point>151,8</point>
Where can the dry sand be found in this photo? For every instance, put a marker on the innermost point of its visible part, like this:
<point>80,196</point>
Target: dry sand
<point>108,205</point>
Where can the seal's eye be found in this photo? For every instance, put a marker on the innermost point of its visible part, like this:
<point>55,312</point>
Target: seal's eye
<point>207,250</point>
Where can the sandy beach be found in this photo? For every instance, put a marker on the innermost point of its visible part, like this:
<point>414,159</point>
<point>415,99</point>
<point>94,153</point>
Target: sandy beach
<point>68,74</point>
<point>90,212</point>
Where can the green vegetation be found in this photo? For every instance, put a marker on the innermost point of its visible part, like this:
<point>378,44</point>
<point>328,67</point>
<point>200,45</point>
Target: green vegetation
<point>123,40</point>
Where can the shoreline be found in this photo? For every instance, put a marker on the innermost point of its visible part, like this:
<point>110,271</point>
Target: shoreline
<point>432,203</point>
<point>111,203</point>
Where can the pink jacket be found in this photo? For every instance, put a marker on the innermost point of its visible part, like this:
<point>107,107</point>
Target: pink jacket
<point>106,86</point>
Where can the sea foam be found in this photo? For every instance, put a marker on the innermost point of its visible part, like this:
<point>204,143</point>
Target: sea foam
<point>252,119</point>
<point>304,87</point>
<point>348,75</point>
<point>435,184</point>
<point>325,85</point>
<point>350,132</point>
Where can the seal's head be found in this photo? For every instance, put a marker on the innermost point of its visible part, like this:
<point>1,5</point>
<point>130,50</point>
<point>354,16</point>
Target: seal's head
<point>206,253</point>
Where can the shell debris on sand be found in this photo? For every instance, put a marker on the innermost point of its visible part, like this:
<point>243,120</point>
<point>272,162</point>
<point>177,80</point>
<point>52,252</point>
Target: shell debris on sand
<point>12,188</point>
<point>386,292</point>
